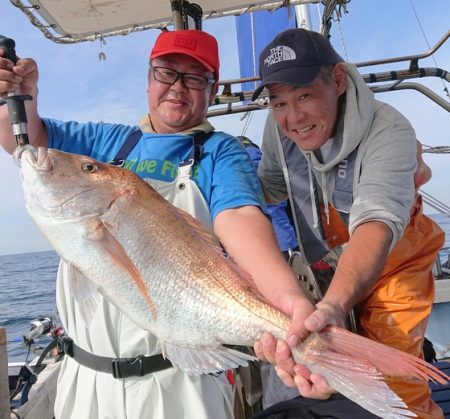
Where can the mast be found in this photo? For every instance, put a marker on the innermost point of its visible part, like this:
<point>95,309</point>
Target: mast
<point>303,16</point>
<point>186,15</point>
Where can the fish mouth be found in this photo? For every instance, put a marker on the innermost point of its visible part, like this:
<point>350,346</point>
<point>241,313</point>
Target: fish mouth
<point>38,158</point>
<point>48,189</point>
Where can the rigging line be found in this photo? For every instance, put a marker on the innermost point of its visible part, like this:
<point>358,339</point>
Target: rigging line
<point>435,206</point>
<point>421,29</point>
<point>341,37</point>
<point>428,44</point>
<point>247,123</point>
<point>249,117</point>
<point>434,200</point>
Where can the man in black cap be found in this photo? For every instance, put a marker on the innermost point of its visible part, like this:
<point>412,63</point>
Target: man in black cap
<point>347,162</point>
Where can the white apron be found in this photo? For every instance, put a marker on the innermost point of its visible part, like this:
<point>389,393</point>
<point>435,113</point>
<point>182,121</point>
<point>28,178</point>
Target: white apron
<point>169,394</point>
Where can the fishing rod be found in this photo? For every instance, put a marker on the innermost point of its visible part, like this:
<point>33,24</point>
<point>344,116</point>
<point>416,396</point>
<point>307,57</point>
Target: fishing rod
<point>15,100</point>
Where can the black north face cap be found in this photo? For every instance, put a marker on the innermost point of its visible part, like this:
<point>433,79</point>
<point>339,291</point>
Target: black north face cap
<point>294,57</point>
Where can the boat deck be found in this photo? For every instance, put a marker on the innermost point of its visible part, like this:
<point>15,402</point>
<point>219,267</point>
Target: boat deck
<point>441,393</point>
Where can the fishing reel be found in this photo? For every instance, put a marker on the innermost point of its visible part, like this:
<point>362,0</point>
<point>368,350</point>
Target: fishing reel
<point>21,375</point>
<point>39,327</point>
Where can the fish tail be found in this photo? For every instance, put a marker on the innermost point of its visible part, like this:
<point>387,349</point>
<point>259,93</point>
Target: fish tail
<point>387,360</point>
<point>355,367</point>
<point>363,384</point>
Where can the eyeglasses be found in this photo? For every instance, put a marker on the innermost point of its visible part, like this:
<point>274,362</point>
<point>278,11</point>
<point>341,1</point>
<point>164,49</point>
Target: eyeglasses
<point>190,80</point>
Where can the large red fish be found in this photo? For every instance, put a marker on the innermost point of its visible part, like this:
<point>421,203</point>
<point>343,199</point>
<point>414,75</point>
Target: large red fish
<point>163,270</point>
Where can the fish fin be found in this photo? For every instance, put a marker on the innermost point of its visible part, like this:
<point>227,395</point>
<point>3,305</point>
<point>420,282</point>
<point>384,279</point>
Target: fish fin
<point>100,231</point>
<point>362,383</point>
<point>387,360</point>
<point>205,360</point>
<point>84,291</point>
<point>356,366</point>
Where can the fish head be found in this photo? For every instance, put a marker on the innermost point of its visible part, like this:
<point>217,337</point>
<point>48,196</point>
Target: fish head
<point>65,186</point>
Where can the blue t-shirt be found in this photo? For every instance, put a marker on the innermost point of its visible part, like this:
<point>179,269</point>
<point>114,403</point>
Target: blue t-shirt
<point>282,225</point>
<point>224,175</point>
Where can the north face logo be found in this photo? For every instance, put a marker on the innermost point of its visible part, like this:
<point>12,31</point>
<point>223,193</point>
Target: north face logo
<point>279,54</point>
<point>185,42</point>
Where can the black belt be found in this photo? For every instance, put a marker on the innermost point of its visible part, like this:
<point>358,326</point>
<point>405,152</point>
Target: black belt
<point>118,367</point>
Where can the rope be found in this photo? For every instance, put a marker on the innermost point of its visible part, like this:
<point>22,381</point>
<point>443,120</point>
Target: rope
<point>435,203</point>
<point>249,117</point>
<point>341,37</point>
<point>332,7</point>
<point>429,199</point>
<point>441,149</point>
<point>428,44</point>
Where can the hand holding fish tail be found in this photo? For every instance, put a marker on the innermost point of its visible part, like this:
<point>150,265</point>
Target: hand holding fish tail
<point>279,354</point>
<point>325,314</point>
<point>297,308</point>
<point>311,385</point>
<point>293,375</point>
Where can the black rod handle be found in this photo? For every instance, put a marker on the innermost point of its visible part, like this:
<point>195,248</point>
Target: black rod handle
<point>15,101</point>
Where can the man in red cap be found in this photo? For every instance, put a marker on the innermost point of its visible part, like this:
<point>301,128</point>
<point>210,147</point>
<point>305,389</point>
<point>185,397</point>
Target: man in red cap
<point>191,57</point>
<point>113,368</point>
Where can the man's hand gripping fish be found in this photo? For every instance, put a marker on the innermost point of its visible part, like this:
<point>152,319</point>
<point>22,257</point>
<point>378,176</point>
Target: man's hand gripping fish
<point>163,270</point>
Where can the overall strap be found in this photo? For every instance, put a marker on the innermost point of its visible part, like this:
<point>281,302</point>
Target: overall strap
<point>126,148</point>
<point>199,138</point>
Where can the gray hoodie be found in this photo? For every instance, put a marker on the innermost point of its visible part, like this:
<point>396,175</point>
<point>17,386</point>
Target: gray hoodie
<point>383,185</point>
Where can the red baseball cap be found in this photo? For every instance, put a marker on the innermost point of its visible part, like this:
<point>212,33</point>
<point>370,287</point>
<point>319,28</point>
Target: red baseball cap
<point>197,44</point>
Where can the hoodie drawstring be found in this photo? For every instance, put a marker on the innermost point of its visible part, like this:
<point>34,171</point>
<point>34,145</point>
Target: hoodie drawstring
<point>312,194</point>
<point>325,196</point>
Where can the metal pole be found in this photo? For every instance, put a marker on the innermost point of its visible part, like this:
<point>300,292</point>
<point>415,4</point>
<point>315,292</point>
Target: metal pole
<point>177,14</point>
<point>4,385</point>
<point>303,16</point>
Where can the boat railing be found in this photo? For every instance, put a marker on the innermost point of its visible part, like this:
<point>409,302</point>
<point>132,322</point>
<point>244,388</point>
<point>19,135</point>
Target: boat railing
<point>435,203</point>
<point>414,59</point>
<point>230,98</point>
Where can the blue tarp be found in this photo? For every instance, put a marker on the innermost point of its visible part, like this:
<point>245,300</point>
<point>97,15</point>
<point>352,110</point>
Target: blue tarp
<point>265,26</point>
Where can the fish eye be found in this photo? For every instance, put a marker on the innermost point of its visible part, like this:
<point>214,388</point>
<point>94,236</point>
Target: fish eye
<point>89,168</point>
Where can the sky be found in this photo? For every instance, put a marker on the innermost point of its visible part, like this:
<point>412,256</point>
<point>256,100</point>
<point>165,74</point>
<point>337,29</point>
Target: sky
<point>75,85</point>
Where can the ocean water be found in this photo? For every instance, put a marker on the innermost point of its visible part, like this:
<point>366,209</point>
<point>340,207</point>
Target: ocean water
<point>27,291</point>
